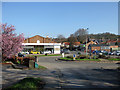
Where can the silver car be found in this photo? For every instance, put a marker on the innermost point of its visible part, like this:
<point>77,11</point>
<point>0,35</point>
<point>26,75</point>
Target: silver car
<point>118,53</point>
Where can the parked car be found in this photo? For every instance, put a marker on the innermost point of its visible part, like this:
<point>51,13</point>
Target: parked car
<point>47,52</point>
<point>118,53</point>
<point>66,51</point>
<point>109,53</point>
<point>105,52</point>
<point>114,53</point>
<point>21,55</point>
<point>97,52</point>
<point>24,52</point>
<point>41,52</point>
<point>35,52</point>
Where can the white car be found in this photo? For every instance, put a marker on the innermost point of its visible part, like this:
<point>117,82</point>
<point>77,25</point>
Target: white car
<point>47,52</point>
<point>24,52</point>
<point>118,53</point>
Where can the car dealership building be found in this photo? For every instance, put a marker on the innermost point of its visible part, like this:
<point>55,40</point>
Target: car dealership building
<point>38,43</point>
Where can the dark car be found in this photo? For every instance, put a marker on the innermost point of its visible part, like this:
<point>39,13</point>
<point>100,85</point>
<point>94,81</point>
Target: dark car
<point>105,52</point>
<point>109,53</point>
<point>21,55</point>
<point>96,52</point>
<point>66,51</point>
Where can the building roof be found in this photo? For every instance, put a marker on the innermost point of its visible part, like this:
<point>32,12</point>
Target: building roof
<point>110,41</point>
<point>76,43</point>
<point>40,38</point>
<point>97,45</point>
<point>66,43</point>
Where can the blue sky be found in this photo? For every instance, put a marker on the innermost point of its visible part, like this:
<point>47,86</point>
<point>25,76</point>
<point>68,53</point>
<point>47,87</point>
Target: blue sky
<point>52,19</point>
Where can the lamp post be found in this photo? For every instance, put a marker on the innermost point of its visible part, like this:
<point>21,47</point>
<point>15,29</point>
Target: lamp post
<point>86,41</point>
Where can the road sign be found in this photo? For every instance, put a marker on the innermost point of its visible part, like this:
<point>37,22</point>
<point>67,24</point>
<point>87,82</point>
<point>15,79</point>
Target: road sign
<point>83,45</point>
<point>74,55</point>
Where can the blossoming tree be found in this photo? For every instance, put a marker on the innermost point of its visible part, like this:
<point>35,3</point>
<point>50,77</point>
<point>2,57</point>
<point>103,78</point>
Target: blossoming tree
<point>11,43</point>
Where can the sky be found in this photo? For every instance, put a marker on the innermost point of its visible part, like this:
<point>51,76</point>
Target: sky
<point>54,18</point>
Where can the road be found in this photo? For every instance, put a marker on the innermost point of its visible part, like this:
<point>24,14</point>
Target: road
<point>75,74</point>
<point>62,74</point>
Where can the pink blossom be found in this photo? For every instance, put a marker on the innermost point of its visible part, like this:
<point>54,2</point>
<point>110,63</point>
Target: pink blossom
<point>10,42</point>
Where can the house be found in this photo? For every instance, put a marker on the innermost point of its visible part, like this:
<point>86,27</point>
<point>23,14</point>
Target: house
<point>67,45</point>
<point>99,47</point>
<point>76,44</point>
<point>94,47</point>
<point>105,47</point>
<point>90,43</point>
<point>114,45</point>
<point>39,43</point>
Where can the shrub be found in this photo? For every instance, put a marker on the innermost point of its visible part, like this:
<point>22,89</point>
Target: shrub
<point>69,57</point>
<point>81,57</point>
<point>21,60</point>
<point>118,57</point>
<point>101,56</point>
<point>28,83</point>
<point>79,53</point>
<point>26,60</point>
<point>95,57</point>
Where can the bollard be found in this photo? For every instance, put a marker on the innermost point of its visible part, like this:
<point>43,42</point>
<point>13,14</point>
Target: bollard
<point>63,55</point>
<point>35,63</point>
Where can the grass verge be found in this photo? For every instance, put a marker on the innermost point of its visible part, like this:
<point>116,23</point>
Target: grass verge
<point>28,83</point>
<point>43,55</point>
<point>114,59</point>
<point>65,58</point>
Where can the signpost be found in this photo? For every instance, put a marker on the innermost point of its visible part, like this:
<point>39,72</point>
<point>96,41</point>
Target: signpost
<point>74,56</point>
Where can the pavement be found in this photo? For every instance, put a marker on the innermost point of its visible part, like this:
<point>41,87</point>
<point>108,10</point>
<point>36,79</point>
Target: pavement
<point>64,74</point>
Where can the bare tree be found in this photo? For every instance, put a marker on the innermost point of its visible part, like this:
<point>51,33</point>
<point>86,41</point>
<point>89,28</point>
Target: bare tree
<point>81,34</point>
<point>60,38</point>
<point>72,39</point>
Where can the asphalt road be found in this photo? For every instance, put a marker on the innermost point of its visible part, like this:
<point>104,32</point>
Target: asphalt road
<point>75,74</point>
<point>62,74</point>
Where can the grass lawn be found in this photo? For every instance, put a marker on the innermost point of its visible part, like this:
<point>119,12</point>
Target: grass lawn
<point>28,83</point>
<point>65,58</point>
<point>88,59</point>
<point>31,55</point>
<point>114,59</point>
<point>41,67</point>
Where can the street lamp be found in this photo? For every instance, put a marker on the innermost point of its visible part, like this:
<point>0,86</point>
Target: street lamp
<point>86,41</point>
